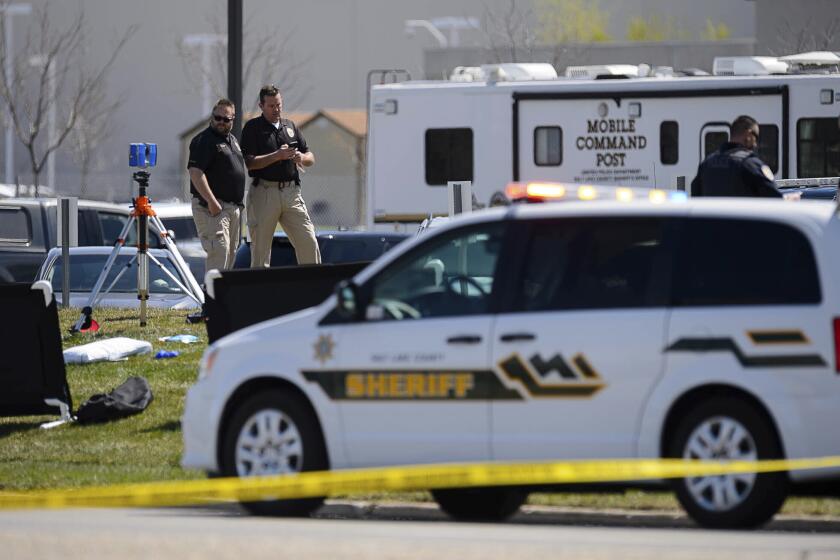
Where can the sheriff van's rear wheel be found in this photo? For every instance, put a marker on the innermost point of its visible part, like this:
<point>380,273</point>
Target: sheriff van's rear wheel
<point>274,433</point>
<point>728,428</point>
<point>480,504</point>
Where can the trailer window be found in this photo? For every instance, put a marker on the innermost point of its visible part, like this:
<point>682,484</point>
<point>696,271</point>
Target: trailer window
<point>548,145</point>
<point>768,145</point>
<point>449,155</point>
<point>817,148</point>
<point>669,142</point>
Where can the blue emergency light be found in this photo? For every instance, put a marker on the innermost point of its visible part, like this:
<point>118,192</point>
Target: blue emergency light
<point>142,154</point>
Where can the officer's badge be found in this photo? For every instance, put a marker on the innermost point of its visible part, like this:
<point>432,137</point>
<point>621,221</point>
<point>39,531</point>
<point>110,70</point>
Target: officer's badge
<point>221,148</point>
<point>290,131</point>
<point>767,172</point>
<point>324,348</point>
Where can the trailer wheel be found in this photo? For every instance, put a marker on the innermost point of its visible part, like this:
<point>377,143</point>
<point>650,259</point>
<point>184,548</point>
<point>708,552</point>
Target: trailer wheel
<point>728,428</point>
<point>271,433</point>
<point>480,504</point>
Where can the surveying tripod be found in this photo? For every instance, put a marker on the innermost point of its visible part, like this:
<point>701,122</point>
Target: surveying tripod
<point>145,216</point>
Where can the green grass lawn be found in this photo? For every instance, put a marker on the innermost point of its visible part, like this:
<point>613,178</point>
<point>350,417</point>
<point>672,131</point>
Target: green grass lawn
<point>140,448</point>
<point>147,447</point>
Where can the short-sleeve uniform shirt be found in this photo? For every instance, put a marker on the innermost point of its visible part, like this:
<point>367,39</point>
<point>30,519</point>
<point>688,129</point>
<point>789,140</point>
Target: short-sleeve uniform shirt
<point>260,137</point>
<point>220,158</point>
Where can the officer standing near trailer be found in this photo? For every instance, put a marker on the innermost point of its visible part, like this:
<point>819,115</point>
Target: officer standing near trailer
<point>735,169</point>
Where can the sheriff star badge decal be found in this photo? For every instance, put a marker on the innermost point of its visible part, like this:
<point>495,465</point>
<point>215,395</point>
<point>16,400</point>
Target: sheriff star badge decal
<point>324,348</point>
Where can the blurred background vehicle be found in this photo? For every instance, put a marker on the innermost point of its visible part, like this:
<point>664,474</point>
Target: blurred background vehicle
<point>818,192</point>
<point>28,231</point>
<point>177,218</point>
<point>86,264</point>
<point>336,247</point>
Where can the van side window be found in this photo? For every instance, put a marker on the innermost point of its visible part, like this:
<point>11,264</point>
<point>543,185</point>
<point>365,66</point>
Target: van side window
<point>817,148</point>
<point>594,264</point>
<point>449,155</point>
<point>14,226</point>
<point>743,262</point>
<point>669,142</point>
<point>768,146</point>
<point>548,145</point>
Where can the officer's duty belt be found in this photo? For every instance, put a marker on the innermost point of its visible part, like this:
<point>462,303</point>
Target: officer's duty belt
<point>278,184</point>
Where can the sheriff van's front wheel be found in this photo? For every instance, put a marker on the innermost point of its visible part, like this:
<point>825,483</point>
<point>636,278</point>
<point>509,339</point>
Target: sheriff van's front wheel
<point>727,428</point>
<point>480,504</point>
<point>274,433</point>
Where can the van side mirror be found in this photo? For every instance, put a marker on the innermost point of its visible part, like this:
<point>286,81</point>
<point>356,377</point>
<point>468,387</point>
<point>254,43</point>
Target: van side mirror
<point>347,294</point>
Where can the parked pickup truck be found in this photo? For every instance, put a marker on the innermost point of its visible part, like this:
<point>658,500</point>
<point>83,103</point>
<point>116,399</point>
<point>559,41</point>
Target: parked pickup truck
<point>28,231</point>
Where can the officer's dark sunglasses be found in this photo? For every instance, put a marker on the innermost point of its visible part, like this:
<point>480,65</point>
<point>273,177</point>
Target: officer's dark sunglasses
<point>219,118</point>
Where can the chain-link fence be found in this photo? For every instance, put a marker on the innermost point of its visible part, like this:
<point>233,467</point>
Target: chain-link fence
<point>334,202</point>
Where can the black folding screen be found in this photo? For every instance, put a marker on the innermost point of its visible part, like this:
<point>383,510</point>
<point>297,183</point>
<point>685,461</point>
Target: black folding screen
<point>31,359</point>
<point>248,296</point>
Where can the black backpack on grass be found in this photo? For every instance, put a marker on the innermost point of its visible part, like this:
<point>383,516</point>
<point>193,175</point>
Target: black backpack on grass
<point>132,397</point>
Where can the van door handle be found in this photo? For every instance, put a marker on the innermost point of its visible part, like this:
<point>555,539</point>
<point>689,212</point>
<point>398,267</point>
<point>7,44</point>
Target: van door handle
<point>463,339</point>
<point>517,337</point>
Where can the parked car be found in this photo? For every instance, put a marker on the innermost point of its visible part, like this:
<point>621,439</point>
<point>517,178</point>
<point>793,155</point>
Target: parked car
<point>28,231</point>
<point>821,192</point>
<point>336,247</point>
<point>699,329</point>
<point>177,218</point>
<point>86,264</point>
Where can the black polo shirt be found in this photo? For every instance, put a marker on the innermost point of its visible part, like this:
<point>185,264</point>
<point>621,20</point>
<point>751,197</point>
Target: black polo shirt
<point>220,158</point>
<point>260,137</point>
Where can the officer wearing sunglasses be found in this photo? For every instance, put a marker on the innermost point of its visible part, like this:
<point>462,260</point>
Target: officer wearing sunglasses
<point>217,183</point>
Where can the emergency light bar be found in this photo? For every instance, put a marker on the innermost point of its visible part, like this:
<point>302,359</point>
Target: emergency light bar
<point>548,192</point>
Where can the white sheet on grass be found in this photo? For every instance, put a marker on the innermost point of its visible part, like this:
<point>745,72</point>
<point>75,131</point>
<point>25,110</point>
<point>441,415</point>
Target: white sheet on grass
<point>109,349</point>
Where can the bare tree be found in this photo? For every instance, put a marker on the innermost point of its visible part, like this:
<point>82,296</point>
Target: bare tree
<point>570,27</point>
<point>808,37</point>
<point>61,78</point>
<point>91,130</point>
<point>268,58</point>
<point>566,27</point>
<point>509,33</point>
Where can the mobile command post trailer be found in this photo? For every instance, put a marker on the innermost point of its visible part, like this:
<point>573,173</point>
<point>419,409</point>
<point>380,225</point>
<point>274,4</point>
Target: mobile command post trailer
<point>635,132</point>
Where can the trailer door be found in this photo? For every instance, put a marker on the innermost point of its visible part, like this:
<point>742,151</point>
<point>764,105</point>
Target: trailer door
<point>712,136</point>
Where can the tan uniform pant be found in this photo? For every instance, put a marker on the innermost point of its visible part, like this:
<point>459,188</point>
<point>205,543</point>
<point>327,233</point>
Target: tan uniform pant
<point>219,234</point>
<point>268,205</point>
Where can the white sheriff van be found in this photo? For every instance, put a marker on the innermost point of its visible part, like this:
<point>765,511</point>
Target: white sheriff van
<point>700,329</point>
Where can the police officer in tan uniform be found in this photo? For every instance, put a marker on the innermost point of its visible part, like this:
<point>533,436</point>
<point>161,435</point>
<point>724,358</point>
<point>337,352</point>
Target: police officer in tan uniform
<point>217,183</point>
<point>276,153</point>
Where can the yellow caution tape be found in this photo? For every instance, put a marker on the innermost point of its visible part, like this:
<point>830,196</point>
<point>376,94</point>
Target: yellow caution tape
<point>390,479</point>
